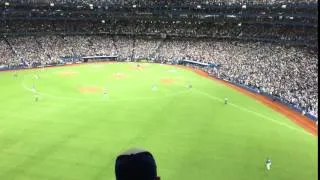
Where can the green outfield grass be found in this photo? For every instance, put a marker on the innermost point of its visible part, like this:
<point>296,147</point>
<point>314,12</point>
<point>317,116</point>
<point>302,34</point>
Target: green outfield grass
<point>75,133</point>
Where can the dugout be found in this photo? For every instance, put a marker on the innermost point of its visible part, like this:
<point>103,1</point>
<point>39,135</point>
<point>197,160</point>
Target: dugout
<point>99,58</point>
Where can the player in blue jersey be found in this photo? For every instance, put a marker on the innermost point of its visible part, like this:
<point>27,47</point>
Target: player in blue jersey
<point>36,98</point>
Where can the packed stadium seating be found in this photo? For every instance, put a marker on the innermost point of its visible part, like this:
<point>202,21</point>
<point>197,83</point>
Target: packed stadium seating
<point>300,34</point>
<point>159,2</point>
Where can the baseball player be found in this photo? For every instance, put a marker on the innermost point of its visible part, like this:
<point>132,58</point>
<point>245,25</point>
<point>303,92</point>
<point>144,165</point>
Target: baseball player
<point>153,87</point>
<point>36,98</point>
<point>33,89</point>
<point>105,94</point>
<point>268,164</point>
<point>225,100</point>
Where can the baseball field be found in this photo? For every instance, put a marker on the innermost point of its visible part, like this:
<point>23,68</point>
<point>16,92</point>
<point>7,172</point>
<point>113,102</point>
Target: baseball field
<point>70,123</point>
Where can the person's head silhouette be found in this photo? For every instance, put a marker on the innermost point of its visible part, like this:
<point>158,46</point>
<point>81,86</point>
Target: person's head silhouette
<point>136,164</point>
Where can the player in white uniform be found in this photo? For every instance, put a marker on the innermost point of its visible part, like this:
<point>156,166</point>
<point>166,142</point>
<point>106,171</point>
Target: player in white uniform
<point>153,87</point>
<point>37,77</point>
<point>268,164</point>
<point>33,89</point>
<point>225,100</point>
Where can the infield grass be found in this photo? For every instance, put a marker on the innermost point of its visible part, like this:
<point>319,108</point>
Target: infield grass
<point>74,131</point>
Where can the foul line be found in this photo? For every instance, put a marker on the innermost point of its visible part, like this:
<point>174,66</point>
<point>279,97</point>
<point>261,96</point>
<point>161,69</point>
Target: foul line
<point>253,112</point>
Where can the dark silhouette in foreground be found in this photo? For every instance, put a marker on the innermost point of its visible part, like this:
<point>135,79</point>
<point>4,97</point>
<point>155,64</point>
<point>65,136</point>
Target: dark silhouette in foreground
<point>136,164</point>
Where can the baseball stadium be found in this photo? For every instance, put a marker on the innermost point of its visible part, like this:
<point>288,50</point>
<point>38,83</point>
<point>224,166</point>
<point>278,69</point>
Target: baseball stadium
<point>206,90</point>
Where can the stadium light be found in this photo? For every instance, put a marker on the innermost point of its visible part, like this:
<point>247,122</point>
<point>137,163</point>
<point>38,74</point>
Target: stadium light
<point>244,6</point>
<point>240,24</point>
<point>284,6</point>
<point>103,21</point>
<point>134,6</point>
<point>198,7</point>
<point>51,4</point>
<point>7,4</point>
<point>91,6</point>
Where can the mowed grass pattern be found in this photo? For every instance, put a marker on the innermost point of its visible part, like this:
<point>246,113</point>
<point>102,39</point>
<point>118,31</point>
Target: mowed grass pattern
<point>72,135</point>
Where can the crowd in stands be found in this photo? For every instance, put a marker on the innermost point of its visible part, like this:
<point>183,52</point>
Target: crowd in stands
<point>299,34</point>
<point>6,55</point>
<point>288,72</point>
<point>157,2</point>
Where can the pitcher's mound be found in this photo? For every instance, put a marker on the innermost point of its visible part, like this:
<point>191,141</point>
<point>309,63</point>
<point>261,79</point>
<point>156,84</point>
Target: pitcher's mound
<point>167,81</point>
<point>90,89</point>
